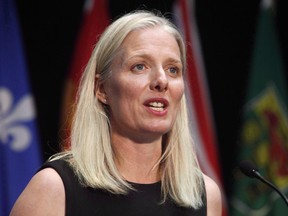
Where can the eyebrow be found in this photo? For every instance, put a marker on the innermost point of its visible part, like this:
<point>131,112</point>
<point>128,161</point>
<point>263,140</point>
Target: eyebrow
<point>144,55</point>
<point>174,60</point>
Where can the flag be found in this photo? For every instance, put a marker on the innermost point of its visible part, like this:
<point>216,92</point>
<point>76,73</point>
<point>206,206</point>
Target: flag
<point>95,20</point>
<point>197,93</point>
<point>19,147</point>
<point>264,134</point>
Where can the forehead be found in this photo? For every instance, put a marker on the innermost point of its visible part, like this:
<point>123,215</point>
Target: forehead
<point>150,33</point>
<point>150,38</point>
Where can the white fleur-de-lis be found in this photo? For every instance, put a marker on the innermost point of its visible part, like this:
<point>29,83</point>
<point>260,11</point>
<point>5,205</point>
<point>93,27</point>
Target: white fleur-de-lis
<point>13,131</point>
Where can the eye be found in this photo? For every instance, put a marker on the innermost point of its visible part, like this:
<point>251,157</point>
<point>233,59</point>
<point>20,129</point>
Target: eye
<point>138,67</point>
<point>174,71</point>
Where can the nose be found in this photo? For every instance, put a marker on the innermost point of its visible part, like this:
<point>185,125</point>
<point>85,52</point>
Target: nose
<point>159,81</point>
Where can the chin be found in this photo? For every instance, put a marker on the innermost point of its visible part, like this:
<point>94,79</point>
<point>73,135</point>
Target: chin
<point>160,131</point>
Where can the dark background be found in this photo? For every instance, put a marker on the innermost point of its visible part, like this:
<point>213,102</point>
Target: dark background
<point>227,36</point>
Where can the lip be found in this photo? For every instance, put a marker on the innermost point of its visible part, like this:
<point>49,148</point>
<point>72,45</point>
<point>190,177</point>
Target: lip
<point>158,100</point>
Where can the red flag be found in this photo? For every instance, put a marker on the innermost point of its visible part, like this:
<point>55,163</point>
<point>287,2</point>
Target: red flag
<point>96,19</point>
<point>198,95</point>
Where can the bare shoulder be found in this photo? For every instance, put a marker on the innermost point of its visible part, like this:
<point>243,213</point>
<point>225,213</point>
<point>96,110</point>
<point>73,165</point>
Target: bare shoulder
<point>44,195</point>
<point>214,200</point>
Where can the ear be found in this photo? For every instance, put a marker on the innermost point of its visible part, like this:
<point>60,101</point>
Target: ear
<point>100,92</point>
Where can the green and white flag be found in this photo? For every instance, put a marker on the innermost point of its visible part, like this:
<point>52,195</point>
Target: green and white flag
<point>264,135</point>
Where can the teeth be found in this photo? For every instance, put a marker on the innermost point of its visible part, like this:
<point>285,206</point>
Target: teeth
<point>157,108</point>
<point>156,105</point>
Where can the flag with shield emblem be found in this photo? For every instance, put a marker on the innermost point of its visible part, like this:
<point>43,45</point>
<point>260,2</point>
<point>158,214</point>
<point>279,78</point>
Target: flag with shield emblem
<point>264,136</point>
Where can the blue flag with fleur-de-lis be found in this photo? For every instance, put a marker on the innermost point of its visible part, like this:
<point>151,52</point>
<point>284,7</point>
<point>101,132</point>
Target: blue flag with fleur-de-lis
<point>19,148</point>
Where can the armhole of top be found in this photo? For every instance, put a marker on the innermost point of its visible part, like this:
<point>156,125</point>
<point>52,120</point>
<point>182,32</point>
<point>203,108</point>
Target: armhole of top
<point>67,176</point>
<point>204,197</point>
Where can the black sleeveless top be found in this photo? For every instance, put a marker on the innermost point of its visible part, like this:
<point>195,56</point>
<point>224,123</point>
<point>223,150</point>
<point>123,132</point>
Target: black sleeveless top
<point>85,201</point>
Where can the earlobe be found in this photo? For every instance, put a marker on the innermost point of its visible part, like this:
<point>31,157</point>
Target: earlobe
<point>101,97</point>
<point>100,91</point>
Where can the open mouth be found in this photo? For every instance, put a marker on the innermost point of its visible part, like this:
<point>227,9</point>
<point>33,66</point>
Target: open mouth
<point>157,106</point>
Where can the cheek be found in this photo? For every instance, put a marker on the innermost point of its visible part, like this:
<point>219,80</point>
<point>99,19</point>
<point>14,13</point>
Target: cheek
<point>178,91</point>
<point>122,92</point>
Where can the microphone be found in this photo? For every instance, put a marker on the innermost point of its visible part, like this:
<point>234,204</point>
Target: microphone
<point>250,170</point>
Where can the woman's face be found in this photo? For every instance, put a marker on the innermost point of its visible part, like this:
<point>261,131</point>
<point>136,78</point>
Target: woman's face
<point>146,85</point>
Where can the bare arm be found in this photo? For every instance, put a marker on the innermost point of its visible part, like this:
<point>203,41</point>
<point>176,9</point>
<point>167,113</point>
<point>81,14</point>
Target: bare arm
<point>43,196</point>
<point>214,201</point>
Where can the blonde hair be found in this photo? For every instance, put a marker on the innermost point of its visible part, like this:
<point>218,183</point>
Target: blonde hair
<point>91,150</point>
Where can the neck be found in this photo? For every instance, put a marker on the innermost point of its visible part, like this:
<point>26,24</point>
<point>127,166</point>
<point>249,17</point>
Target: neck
<point>137,162</point>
